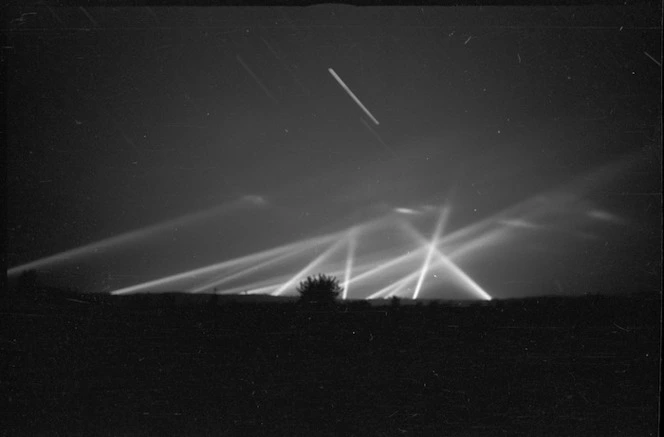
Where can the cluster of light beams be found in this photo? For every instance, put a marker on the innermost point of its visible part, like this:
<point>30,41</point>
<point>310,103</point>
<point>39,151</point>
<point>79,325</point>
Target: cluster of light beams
<point>352,243</point>
<point>447,263</point>
<point>464,249</point>
<point>460,243</point>
<point>322,257</point>
<point>222,265</point>
<point>381,267</point>
<point>248,259</point>
<point>222,279</point>
<point>444,215</point>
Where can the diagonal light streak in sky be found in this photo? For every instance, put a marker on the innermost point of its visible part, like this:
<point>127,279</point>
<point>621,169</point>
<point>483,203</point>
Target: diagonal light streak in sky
<point>274,283</point>
<point>476,243</point>
<point>308,267</point>
<point>286,67</point>
<point>352,96</point>
<point>258,81</point>
<point>222,279</point>
<point>653,59</point>
<point>394,286</point>
<point>224,264</point>
<point>378,137</point>
<point>127,237</point>
<point>247,259</point>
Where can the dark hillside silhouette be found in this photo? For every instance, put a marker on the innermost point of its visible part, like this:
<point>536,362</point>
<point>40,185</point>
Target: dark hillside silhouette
<point>146,365</point>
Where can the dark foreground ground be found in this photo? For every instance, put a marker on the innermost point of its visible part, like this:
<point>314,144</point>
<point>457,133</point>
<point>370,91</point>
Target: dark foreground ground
<point>539,367</point>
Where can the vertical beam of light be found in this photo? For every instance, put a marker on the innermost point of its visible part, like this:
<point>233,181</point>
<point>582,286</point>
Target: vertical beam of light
<point>352,96</point>
<point>444,215</point>
<point>447,262</point>
<point>225,264</point>
<point>258,81</point>
<point>127,237</point>
<point>308,267</point>
<point>352,243</point>
<point>226,278</point>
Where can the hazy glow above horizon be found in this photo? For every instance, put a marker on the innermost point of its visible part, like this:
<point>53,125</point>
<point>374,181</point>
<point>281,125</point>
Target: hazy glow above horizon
<point>155,170</point>
<point>360,258</point>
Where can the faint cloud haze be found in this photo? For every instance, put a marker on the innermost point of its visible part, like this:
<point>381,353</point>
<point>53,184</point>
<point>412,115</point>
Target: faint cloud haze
<point>255,199</point>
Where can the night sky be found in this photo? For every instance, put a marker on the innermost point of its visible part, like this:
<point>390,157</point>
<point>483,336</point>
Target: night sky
<point>122,119</point>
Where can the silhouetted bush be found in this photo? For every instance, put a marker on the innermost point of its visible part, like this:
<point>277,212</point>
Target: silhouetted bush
<point>395,302</point>
<point>319,290</point>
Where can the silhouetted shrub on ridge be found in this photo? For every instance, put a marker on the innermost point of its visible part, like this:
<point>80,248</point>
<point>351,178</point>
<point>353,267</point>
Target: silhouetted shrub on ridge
<point>319,290</point>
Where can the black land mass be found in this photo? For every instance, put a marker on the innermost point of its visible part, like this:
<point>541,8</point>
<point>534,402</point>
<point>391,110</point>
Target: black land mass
<point>173,364</point>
